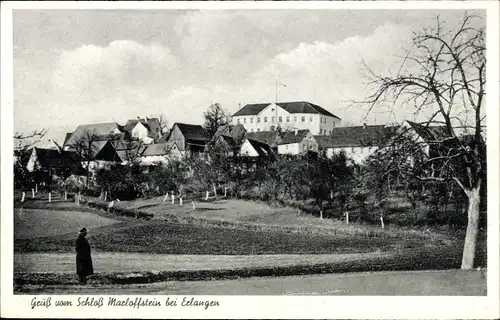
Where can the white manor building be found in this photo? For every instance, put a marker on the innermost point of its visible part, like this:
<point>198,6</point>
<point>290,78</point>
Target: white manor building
<point>300,115</point>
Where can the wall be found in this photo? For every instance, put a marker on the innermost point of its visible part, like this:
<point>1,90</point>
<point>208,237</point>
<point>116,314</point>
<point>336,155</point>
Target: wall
<point>248,150</point>
<point>327,124</point>
<point>141,132</point>
<point>177,137</point>
<point>292,148</point>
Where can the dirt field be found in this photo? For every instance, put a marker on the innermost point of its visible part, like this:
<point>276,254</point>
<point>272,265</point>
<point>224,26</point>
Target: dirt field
<point>135,262</point>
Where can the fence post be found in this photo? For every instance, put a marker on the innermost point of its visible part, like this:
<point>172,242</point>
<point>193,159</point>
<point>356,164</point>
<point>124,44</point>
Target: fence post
<point>215,191</point>
<point>166,197</point>
<point>225,192</point>
<point>382,221</point>
<point>24,195</point>
<point>193,205</point>
<point>173,199</point>
<point>105,195</point>
<point>36,187</point>
<point>65,195</point>
<point>321,214</point>
<point>180,201</point>
<point>32,193</point>
<point>50,196</point>
<point>206,196</point>
<point>347,217</point>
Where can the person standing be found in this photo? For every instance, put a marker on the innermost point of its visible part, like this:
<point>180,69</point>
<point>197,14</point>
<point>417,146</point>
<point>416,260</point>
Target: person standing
<point>84,266</point>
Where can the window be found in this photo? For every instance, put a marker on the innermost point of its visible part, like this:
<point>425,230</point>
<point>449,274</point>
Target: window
<point>304,147</point>
<point>287,119</point>
<point>271,128</point>
<point>238,121</point>
<point>303,119</point>
<point>272,119</point>
<point>265,119</point>
<point>251,120</point>
<point>251,130</point>
<point>330,132</point>
<point>334,124</point>
<point>258,129</point>
<point>280,119</point>
<point>258,120</point>
<point>295,119</point>
<point>310,119</point>
<point>244,120</point>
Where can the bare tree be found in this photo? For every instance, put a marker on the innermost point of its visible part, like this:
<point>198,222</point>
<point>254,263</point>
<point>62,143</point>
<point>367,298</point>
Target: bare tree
<point>443,76</point>
<point>86,147</point>
<point>163,125</point>
<point>26,141</point>
<point>215,117</point>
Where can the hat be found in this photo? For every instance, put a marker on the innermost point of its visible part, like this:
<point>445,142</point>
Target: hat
<point>83,230</point>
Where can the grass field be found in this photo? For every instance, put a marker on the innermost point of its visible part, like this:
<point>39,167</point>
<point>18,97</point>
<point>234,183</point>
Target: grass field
<point>36,223</point>
<point>236,213</point>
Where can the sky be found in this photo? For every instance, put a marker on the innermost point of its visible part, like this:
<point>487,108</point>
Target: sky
<point>75,67</point>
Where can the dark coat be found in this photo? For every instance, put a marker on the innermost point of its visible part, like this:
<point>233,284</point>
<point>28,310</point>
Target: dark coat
<point>83,258</point>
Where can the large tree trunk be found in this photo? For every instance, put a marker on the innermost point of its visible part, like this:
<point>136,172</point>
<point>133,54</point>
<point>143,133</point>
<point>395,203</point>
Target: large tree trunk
<point>472,228</point>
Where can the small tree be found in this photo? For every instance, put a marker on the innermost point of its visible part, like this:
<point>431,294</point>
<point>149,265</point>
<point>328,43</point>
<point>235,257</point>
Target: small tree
<point>86,147</point>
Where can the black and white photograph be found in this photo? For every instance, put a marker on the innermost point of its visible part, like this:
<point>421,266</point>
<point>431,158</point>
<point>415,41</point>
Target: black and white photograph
<point>168,156</point>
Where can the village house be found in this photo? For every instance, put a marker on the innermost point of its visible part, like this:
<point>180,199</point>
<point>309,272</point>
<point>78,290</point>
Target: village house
<point>299,115</point>
<point>357,143</point>
<point>160,153</point>
<point>297,142</point>
<point>189,138</point>
<point>263,144</point>
<point>146,130</point>
<point>58,162</point>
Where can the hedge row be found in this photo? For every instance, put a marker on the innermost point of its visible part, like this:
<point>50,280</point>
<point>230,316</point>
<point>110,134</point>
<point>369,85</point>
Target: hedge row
<point>132,213</point>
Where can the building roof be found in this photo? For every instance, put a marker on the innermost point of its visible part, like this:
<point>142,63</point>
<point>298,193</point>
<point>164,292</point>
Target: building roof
<point>50,158</point>
<point>66,137</point>
<point>269,138</point>
<point>192,131</point>
<point>429,133</point>
<point>158,149</point>
<point>359,136</point>
<point>232,134</point>
<point>291,107</point>
<point>289,137</point>
<point>98,130</point>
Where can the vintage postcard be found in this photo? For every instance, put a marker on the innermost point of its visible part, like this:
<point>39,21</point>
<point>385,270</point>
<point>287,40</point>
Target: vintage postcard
<point>250,159</point>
